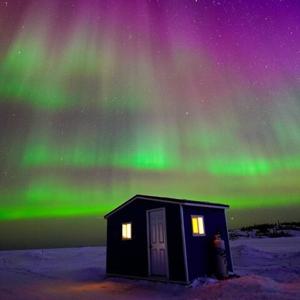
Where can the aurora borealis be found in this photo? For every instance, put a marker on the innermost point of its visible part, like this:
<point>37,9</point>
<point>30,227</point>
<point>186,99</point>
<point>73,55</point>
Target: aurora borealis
<point>101,100</point>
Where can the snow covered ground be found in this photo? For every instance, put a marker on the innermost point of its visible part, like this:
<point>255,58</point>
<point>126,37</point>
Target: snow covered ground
<point>270,269</point>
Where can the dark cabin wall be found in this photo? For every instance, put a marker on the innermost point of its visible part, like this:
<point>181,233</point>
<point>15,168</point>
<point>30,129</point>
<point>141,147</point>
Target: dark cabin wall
<point>131,257</point>
<point>199,248</point>
<point>126,257</point>
<point>175,243</point>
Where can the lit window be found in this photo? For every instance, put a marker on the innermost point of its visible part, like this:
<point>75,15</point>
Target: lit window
<point>198,225</point>
<point>126,231</point>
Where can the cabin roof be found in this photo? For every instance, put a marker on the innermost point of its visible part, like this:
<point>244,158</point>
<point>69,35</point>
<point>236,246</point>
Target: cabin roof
<point>168,200</point>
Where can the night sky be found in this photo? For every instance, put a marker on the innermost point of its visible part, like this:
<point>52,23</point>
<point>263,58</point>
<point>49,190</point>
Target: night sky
<point>101,100</point>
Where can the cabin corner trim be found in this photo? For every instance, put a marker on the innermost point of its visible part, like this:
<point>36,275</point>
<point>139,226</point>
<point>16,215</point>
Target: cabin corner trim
<point>184,245</point>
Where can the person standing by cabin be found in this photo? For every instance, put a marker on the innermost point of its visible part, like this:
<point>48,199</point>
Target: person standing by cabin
<point>220,259</point>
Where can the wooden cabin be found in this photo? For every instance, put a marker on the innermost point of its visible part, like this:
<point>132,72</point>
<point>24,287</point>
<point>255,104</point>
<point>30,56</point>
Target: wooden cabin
<point>165,239</point>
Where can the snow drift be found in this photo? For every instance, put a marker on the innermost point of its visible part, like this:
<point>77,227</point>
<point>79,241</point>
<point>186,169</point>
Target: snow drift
<point>270,269</point>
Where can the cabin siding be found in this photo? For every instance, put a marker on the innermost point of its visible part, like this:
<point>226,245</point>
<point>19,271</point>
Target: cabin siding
<point>199,248</point>
<point>130,257</point>
<point>175,243</point>
<point>127,257</point>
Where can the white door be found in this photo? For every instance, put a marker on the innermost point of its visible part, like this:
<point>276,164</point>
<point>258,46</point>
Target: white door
<point>158,258</point>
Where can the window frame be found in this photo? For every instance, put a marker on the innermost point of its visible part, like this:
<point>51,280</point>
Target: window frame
<point>203,223</point>
<point>126,237</point>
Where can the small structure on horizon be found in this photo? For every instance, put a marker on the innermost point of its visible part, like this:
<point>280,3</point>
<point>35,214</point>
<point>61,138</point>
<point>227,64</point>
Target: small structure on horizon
<point>164,239</point>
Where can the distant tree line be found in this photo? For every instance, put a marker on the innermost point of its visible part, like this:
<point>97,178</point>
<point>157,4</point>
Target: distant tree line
<point>278,225</point>
<point>272,230</point>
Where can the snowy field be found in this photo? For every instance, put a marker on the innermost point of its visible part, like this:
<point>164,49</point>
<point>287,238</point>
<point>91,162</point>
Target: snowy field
<point>269,269</point>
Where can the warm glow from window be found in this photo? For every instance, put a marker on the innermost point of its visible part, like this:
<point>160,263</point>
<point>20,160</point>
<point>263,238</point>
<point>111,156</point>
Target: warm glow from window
<point>198,225</point>
<point>126,231</point>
